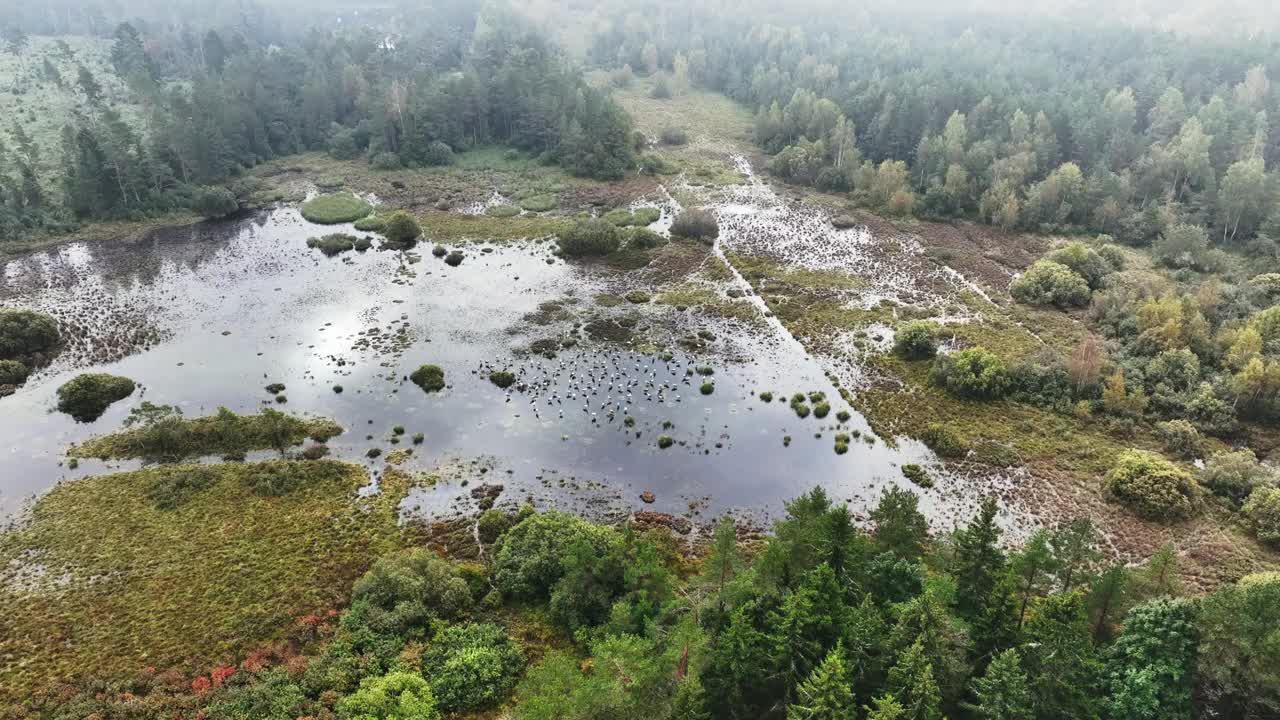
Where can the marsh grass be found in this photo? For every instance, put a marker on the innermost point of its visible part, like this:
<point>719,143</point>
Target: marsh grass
<point>220,570</point>
<point>172,438</point>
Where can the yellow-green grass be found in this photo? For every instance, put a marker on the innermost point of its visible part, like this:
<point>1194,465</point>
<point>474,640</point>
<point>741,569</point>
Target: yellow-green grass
<point>101,581</point>
<point>446,226</point>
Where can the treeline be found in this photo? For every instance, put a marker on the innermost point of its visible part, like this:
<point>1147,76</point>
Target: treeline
<point>1031,124</point>
<point>567,620</point>
<point>213,106</point>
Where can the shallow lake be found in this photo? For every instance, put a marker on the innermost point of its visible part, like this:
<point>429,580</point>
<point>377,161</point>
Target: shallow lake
<point>207,316</point>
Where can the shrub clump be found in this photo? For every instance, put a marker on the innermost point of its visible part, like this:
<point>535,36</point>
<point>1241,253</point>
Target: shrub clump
<point>502,378</point>
<point>401,230</point>
<point>1151,486</point>
<point>590,237</point>
<point>172,487</point>
<point>917,475</point>
<point>13,372</point>
<point>540,203</point>
<point>335,208</point>
<point>530,558</point>
<point>397,695</point>
<point>707,388</point>
<point>665,441</point>
<point>1084,261</point>
<point>428,377</point>
<point>333,244</point>
<point>696,224</point>
<point>86,397</point>
<point>1262,511</point>
<point>1180,438</point>
<point>644,239</point>
<point>274,479</point>
<point>973,373</point>
<point>1236,474</point>
<point>916,340</point>
<point>673,136</point>
<point>473,665</point>
<point>23,333</point>
<point>454,258</point>
<point>502,211</point>
<point>944,441</point>
<point>1050,283</point>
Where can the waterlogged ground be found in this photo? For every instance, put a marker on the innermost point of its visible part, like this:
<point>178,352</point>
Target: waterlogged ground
<point>208,316</point>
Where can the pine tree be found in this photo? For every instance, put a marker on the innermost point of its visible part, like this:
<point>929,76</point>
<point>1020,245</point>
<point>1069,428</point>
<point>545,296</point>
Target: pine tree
<point>1075,553</point>
<point>900,528</point>
<point>887,708</point>
<point>1149,673</point>
<point>978,561</point>
<point>1003,692</point>
<point>911,683</point>
<point>1060,661</point>
<point>1032,570</point>
<point>826,694</point>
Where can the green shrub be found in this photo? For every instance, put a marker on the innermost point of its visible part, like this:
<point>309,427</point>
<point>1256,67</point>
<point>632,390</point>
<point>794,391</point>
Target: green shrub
<point>944,441</point>
<point>590,237</point>
<point>766,396</point>
<point>673,136</point>
<point>540,203</point>
<point>335,208</point>
<point>916,340</point>
<point>638,297</point>
<point>454,258</point>
<point>23,333</point>
<point>333,244</point>
<point>620,217</point>
<point>531,556</point>
<point>271,695</point>
<point>1236,474</point>
<point>404,592</point>
<point>438,153</point>
<point>1180,438</point>
<point>401,229</point>
<point>373,223</point>
<point>502,378</point>
<point>1262,512</point>
<point>644,239</point>
<point>707,388</point>
<point>385,161</point>
<point>428,377</point>
<point>85,397</point>
<point>1084,261</point>
<point>696,224</point>
<point>917,475</point>
<point>1050,283</point>
<point>213,201</point>
<point>821,410</point>
<point>492,524</point>
<point>1151,486</point>
<point>502,211</point>
<point>645,216</point>
<point>971,373</point>
<point>13,372</point>
<point>394,696</point>
<point>665,441</point>
<point>472,666</point>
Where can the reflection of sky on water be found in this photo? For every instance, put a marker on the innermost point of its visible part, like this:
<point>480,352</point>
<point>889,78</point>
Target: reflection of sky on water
<point>293,316</point>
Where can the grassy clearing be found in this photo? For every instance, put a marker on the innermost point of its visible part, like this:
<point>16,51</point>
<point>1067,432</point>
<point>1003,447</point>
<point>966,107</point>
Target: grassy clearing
<point>102,579</point>
<point>448,226</point>
<point>171,437</point>
<point>335,208</point>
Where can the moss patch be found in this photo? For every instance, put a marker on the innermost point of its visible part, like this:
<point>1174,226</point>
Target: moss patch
<point>335,208</point>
